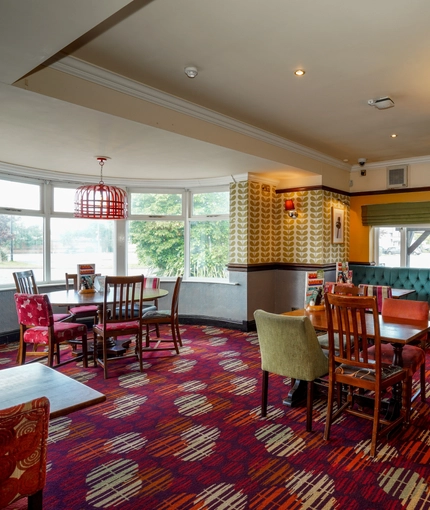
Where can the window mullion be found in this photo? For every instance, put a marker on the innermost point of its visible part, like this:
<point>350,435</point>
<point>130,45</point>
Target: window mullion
<point>47,208</point>
<point>188,212</point>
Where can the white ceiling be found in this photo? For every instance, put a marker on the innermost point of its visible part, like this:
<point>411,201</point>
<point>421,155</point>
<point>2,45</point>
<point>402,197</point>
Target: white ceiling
<point>246,52</point>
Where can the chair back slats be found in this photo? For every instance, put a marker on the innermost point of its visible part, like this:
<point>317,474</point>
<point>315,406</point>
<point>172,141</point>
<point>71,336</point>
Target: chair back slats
<point>348,315</point>
<point>71,281</point>
<point>127,292</point>
<point>25,282</point>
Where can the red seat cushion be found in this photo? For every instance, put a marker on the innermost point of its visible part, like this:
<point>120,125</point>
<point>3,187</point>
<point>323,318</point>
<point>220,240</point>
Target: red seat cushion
<point>126,327</point>
<point>62,331</point>
<point>90,309</point>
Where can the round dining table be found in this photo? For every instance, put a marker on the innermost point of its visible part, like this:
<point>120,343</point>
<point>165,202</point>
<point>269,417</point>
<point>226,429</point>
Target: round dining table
<point>75,298</point>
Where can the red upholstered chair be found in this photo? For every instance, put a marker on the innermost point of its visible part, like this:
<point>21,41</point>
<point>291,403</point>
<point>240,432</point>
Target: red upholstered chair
<point>25,282</point>
<point>37,327</point>
<point>23,448</point>
<point>381,292</point>
<point>413,356</point>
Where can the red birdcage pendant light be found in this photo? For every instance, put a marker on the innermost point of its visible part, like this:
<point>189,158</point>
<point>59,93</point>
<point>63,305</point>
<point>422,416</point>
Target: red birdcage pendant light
<point>99,201</point>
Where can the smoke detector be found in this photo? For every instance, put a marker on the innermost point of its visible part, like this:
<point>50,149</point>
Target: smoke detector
<point>191,71</point>
<point>382,103</point>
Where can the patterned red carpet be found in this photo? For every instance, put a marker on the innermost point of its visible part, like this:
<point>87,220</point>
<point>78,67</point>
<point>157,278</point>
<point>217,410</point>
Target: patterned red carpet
<point>187,434</point>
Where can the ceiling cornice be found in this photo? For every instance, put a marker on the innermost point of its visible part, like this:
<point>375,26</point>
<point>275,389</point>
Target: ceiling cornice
<point>63,177</point>
<point>94,74</point>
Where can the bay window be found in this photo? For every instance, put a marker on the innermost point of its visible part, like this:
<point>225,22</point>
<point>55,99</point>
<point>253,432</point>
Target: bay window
<point>168,233</point>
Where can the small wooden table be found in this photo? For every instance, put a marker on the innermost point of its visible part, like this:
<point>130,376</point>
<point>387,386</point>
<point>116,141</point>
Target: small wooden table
<point>26,382</point>
<point>401,293</point>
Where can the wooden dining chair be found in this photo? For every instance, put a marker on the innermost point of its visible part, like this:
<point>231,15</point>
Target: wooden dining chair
<point>413,356</point>
<point>157,317</point>
<point>82,311</point>
<point>25,282</point>
<point>37,327</point>
<point>23,452</point>
<point>289,347</point>
<point>126,321</point>
<point>351,366</point>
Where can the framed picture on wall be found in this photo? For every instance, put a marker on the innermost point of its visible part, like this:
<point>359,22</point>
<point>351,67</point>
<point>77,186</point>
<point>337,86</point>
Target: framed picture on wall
<point>337,225</point>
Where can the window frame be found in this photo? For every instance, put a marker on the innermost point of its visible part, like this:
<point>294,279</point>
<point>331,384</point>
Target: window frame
<point>404,230</point>
<point>120,233</point>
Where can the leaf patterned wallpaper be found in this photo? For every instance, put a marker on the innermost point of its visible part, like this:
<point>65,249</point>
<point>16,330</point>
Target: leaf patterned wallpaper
<point>261,232</point>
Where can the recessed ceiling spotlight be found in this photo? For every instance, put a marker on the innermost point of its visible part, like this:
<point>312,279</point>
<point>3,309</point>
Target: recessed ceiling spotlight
<point>191,72</point>
<point>345,160</point>
<point>299,72</point>
<point>394,135</point>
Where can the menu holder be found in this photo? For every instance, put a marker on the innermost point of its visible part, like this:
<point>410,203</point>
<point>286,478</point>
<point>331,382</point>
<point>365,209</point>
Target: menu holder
<point>86,284</point>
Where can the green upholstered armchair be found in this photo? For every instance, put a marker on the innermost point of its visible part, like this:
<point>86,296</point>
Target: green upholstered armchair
<point>289,347</point>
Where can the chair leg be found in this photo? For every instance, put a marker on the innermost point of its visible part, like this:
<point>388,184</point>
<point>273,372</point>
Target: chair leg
<point>329,413</point>
<point>138,350</point>
<point>105,362</point>
<point>95,353</point>
<point>310,402</point>
<point>423,382</point>
<point>147,341</point>
<point>35,501</point>
<point>51,353</point>
<point>408,397</point>
<point>265,390</point>
<point>375,428</point>
<point>178,333</point>
<point>85,351</point>
<point>22,352</point>
<point>173,327</point>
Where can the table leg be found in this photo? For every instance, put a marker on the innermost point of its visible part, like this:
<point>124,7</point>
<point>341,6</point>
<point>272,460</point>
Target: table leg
<point>297,394</point>
<point>395,402</point>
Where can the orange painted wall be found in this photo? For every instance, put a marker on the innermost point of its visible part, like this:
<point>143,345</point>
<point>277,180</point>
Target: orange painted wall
<point>359,235</point>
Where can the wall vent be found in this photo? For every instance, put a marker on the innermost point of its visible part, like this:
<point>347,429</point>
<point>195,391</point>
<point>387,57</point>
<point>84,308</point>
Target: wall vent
<point>397,176</point>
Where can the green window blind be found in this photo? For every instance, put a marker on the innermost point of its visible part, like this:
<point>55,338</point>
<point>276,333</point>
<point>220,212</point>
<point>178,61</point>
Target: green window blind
<point>402,213</point>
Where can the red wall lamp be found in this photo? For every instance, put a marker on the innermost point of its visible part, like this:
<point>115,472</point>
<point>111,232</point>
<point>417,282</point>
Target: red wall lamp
<point>291,210</point>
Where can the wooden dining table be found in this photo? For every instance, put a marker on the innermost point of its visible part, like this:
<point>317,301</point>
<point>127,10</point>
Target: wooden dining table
<point>398,332</point>
<point>25,382</point>
<point>401,293</point>
<point>75,298</point>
